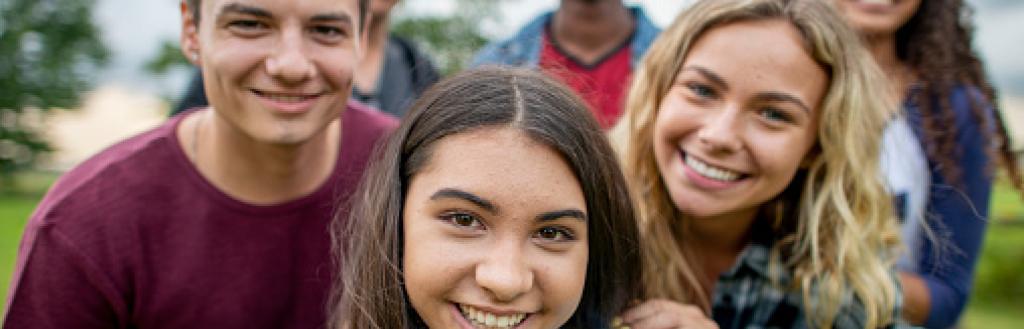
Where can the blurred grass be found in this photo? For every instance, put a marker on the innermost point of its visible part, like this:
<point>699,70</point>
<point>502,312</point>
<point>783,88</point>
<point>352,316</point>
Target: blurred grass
<point>996,303</point>
<point>1006,204</point>
<point>998,296</point>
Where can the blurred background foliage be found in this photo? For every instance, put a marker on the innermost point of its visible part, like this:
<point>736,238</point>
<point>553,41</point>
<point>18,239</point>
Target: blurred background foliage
<point>449,40</point>
<point>51,49</point>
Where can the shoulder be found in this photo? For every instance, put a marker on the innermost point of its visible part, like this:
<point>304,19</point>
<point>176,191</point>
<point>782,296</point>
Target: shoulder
<point>407,47</point>
<point>964,100</point>
<point>646,30</point>
<point>421,66</point>
<point>516,49</point>
<point>362,122</point>
<point>104,178</point>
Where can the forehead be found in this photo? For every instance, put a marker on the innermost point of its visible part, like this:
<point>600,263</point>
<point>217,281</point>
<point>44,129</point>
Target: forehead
<point>761,54</point>
<point>502,164</point>
<point>301,8</point>
<point>761,44</point>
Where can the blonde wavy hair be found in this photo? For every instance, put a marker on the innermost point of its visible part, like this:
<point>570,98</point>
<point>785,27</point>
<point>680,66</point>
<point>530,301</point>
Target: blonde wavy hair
<point>835,229</point>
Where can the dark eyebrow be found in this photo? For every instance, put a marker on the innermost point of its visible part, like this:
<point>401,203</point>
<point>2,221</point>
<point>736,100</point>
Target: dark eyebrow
<point>772,96</point>
<point>715,79</point>
<point>340,17</point>
<point>553,215</point>
<point>237,8</point>
<point>451,193</point>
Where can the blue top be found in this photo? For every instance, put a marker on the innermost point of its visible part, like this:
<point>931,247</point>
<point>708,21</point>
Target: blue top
<point>524,48</point>
<point>956,213</point>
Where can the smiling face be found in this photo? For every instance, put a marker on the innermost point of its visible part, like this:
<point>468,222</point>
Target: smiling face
<point>277,71</point>
<point>878,17</point>
<point>495,234</point>
<point>739,119</point>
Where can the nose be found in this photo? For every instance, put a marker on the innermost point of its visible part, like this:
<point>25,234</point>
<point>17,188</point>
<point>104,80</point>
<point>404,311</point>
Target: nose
<point>289,62</point>
<point>720,131</point>
<point>505,273</point>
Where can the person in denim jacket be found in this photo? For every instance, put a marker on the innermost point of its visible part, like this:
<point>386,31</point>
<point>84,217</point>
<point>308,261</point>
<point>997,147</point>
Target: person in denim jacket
<point>590,45</point>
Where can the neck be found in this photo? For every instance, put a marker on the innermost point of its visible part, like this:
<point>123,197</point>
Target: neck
<point>883,49</point>
<point>255,172</point>
<point>372,63</point>
<point>718,242</point>
<point>588,29</point>
<point>726,234</point>
<point>377,32</point>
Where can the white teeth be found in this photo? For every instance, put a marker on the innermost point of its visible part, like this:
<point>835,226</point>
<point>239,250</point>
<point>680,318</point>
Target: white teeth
<point>708,171</point>
<point>484,320</point>
<point>878,2</point>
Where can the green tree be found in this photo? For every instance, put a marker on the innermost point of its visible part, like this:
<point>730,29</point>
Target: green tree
<point>49,51</point>
<point>167,58</point>
<point>450,40</point>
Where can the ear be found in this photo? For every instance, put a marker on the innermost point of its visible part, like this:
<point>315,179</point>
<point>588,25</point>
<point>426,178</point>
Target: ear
<point>189,34</point>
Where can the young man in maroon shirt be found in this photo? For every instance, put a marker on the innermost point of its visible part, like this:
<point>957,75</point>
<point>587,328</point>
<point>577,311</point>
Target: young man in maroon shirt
<point>590,45</point>
<point>219,218</point>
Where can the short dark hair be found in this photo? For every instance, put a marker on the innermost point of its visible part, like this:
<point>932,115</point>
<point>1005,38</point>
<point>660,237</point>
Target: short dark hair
<point>193,5</point>
<point>369,291</point>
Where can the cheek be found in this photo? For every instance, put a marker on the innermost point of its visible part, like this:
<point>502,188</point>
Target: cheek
<point>564,278</point>
<point>425,253</point>
<point>234,59</point>
<point>782,155</point>
<point>671,125</point>
<point>337,67</point>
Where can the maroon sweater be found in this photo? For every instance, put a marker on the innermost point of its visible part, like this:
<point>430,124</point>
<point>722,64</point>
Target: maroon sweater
<point>136,238</point>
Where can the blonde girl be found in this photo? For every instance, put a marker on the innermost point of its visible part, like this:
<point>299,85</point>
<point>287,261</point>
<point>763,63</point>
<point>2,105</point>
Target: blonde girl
<point>750,140</point>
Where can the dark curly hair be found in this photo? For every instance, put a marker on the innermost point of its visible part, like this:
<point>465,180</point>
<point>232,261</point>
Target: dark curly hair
<point>936,44</point>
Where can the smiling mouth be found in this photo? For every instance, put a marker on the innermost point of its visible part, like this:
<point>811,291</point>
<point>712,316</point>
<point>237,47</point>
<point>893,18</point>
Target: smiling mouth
<point>878,2</point>
<point>485,320</point>
<point>711,172</point>
<point>286,97</point>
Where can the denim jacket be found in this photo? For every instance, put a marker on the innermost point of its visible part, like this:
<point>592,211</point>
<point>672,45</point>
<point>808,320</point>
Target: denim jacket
<point>524,48</point>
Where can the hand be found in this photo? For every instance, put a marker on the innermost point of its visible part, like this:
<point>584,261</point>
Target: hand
<point>664,314</point>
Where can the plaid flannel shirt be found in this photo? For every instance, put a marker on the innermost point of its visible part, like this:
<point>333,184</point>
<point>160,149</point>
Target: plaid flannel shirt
<point>745,296</point>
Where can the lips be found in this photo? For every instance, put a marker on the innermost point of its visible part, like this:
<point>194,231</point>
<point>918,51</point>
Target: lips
<point>482,319</point>
<point>287,102</point>
<point>709,177</point>
<point>709,171</point>
<point>879,6</point>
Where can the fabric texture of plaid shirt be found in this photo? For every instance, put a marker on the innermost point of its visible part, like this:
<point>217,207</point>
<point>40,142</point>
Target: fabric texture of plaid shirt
<point>746,296</point>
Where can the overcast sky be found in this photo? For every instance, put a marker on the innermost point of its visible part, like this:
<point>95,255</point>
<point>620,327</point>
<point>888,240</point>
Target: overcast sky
<point>134,29</point>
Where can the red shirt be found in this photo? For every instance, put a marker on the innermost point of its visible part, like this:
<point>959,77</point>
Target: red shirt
<point>601,84</point>
<point>135,237</point>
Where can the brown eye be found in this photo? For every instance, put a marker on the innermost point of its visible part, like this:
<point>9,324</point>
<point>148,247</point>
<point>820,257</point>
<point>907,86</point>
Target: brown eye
<point>328,34</point>
<point>462,220</point>
<point>552,233</point>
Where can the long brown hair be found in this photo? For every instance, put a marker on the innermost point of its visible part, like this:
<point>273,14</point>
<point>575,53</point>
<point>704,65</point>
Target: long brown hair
<point>369,291</point>
<point>936,44</point>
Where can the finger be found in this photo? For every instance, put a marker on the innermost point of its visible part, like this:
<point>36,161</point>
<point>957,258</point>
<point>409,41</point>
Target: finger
<point>640,311</point>
<point>661,320</point>
<point>653,306</point>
